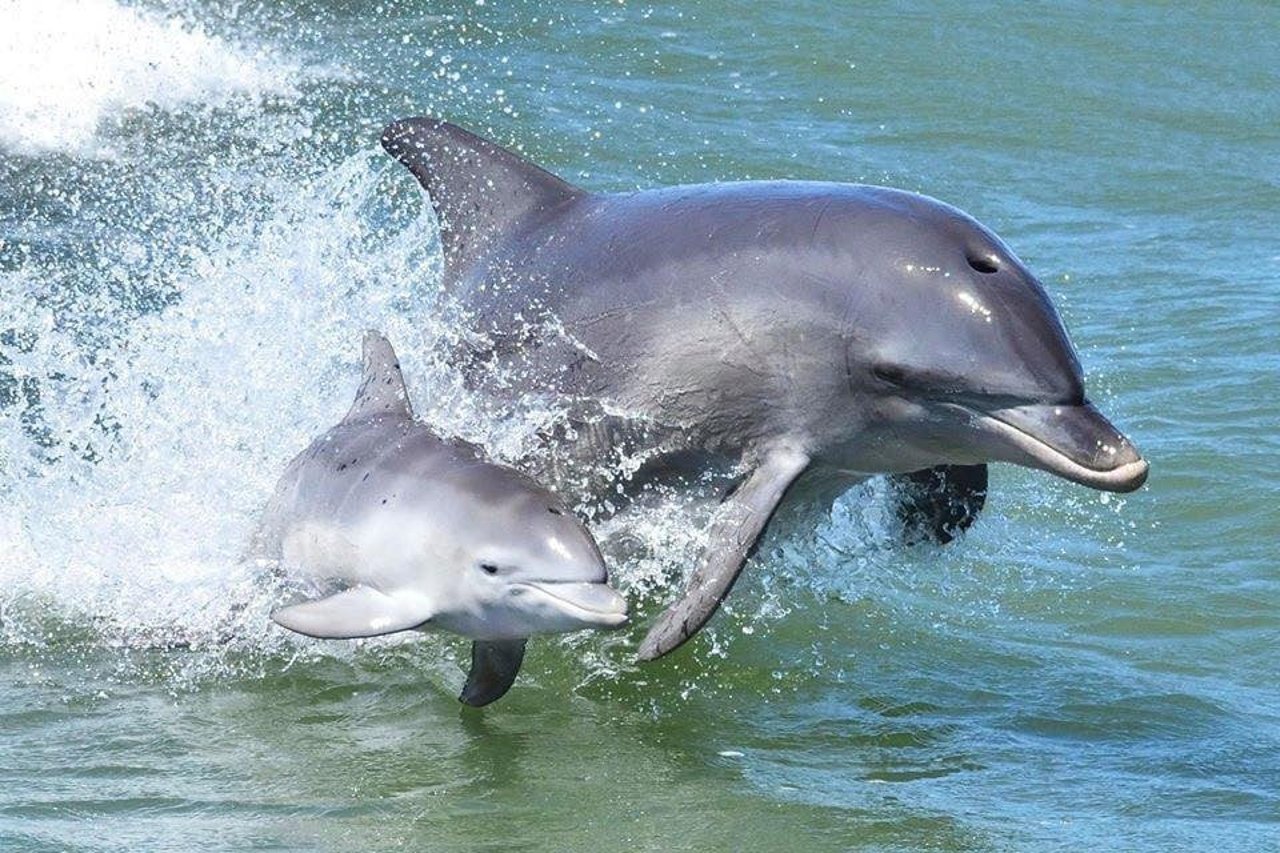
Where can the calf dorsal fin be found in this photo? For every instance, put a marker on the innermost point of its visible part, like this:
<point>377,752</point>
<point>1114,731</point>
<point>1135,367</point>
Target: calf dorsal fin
<point>382,390</point>
<point>481,191</point>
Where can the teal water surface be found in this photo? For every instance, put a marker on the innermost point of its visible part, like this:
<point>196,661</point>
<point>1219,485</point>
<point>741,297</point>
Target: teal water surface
<point>196,223</point>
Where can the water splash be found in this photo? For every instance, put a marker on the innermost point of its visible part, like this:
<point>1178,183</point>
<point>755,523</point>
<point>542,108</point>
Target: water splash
<point>145,458</point>
<point>70,65</point>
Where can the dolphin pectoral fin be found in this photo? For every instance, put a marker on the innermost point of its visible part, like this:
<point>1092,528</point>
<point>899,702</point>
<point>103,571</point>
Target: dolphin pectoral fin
<point>939,503</point>
<point>738,524</point>
<point>361,611</point>
<point>494,667</point>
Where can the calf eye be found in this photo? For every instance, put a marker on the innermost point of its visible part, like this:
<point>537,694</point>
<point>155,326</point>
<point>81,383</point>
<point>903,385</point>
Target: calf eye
<point>890,373</point>
<point>489,568</point>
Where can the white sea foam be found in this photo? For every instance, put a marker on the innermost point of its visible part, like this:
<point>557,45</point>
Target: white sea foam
<point>131,500</point>
<point>68,65</point>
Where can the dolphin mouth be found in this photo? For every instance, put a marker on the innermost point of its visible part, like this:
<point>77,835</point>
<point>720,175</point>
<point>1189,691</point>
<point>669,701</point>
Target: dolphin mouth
<point>594,604</point>
<point>1076,442</point>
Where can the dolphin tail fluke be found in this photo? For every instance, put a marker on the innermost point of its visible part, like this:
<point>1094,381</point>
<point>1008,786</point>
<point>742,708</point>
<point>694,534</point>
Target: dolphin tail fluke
<point>382,390</point>
<point>938,504</point>
<point>480,191</point>
<point>494,667</point>
<point>740,521</point>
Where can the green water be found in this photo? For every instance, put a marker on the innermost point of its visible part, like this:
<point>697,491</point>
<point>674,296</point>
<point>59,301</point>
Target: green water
<point>196,223</point>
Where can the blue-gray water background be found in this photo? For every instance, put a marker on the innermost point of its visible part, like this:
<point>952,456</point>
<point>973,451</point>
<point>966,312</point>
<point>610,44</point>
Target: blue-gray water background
<point>196,223</point>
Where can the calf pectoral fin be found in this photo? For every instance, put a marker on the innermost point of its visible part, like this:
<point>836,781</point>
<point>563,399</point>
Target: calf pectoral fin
<point>939,503</point>
<point>494,667</point>
<point>361,611</point>
<point>737,525</point>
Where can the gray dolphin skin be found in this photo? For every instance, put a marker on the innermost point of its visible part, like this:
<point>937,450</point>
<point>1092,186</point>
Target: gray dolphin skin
<point>424,533</point>
<point>808,335</point>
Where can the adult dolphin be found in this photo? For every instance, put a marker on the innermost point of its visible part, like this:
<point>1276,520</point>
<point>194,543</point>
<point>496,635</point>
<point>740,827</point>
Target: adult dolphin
<point>812,334</point>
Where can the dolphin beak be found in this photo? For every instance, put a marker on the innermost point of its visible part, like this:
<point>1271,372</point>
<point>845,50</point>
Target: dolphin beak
<point>593,604</point>
<point>1075,442</point>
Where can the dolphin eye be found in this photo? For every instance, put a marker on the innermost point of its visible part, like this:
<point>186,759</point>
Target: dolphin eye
<point>555,511</point>
<point>489,568</point>
<point>890,373</point>
<point>983,264</point>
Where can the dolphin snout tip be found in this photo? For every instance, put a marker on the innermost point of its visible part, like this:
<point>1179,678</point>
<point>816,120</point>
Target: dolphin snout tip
<point>1120,467</point>
<point>595,605</point>
<point>615,613</point>
<point>613,619</point>
<point>1127,472</point>
<point>1075,442</point>
<point>616,621</point>
<point>1140,479</point>
<point>1130,476</point>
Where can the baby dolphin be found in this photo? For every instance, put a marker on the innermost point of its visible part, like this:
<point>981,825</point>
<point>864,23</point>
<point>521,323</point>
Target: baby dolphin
<point>424,533</point>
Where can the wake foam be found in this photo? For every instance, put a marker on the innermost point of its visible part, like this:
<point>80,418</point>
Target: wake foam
<point>137,463</point>
<point>70,65</point>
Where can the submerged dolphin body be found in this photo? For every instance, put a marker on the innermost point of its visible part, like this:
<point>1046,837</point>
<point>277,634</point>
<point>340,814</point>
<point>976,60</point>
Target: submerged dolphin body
<point>426,534</point>
<point>810,334</point>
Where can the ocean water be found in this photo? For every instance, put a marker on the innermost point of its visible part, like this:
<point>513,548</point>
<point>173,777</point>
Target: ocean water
<point>196,222</point>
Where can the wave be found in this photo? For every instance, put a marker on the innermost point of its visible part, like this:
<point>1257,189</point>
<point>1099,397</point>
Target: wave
<point>68,66</point>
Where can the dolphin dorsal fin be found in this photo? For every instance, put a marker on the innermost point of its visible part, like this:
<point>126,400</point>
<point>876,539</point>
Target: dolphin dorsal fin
<point>480,191</point>
<point>382,390</point>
